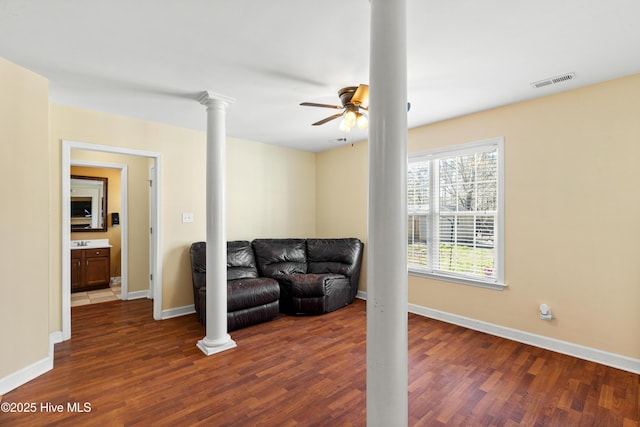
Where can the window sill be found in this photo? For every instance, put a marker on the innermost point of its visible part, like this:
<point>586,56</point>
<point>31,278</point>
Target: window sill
<point>460,280</point>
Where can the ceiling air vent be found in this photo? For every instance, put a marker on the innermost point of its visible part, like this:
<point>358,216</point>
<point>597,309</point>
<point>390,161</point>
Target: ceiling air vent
<point>553,80</point>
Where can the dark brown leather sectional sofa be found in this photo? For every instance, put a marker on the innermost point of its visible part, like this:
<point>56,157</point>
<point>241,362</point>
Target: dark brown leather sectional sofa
<point>294,276</point>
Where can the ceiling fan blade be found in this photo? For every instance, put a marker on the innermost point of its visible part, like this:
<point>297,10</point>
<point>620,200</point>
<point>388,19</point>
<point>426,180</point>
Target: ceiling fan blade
<point>328,119</point>
<point>313,104</point>
<point>361,96</point>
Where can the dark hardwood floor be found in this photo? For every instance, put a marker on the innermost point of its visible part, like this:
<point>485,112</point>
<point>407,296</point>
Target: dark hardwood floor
<point>308,371</point>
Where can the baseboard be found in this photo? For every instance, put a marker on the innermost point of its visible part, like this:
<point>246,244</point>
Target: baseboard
<point>55,338</point>
<point>137,295</point>
<point>178,311</point>
<point>28,373</point>
<point>576,350</point>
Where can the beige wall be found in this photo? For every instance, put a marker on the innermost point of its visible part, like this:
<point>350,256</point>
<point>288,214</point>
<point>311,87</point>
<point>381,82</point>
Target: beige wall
<point>270,191</point>
<point>572,210</point>
<point>342,182</point>
<point>24,218</point>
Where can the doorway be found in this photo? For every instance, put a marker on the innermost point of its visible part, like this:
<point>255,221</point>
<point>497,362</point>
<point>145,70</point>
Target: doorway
<point>154,238</point>
<point>116,175</point>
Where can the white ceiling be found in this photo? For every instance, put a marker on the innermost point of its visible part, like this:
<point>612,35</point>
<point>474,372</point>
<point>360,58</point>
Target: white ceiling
<point>150,59</point>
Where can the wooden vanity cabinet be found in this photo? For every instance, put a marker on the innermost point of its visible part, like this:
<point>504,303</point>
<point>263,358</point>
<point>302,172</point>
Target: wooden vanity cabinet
<point>90,269</point>
<point>76,270</point>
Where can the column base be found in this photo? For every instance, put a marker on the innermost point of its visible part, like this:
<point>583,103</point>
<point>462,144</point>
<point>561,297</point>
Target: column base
<point>209,348</point>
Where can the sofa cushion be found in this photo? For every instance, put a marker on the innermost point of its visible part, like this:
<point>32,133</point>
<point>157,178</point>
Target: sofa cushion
<point>246,293</point>
<point>277,257</point>
<point>337,256</point>
<point>250,299</point>
<point>241,263</point>
<point>251,316</point>
<point>315,285</point>
<point>241,318</point>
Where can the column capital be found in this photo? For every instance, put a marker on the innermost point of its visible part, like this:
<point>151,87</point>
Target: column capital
<point>209,98</point>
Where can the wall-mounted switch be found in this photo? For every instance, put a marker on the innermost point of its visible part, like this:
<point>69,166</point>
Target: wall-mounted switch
<point>187,217</point>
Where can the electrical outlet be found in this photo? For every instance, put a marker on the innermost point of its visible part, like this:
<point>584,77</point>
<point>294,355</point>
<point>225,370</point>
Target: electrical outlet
<point>187,217</point>
<point>545,312</point>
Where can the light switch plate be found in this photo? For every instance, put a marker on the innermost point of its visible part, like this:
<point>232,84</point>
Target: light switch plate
<point>187,217</point>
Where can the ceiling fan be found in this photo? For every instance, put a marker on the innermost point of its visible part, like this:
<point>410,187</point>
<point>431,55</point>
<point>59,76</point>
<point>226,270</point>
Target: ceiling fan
<point>353,99</point>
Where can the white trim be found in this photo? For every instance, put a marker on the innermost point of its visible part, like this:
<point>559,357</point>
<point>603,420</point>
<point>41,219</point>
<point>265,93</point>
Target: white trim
<point>28,373</point>
<point>138,295</point>
<point>124,232</point>
<point>564,347</point>
<point>571,349</point>
<point>501,216</point>
<point>178,311</point>
<point>457,279</point>
<point>87,146</point>
<point>152,227</point>
<point>66,241</point>
<point>157,247</point>
<point>67,146</point>
<point>56,337</point>
<point>456,150</point>
<point>208,350</point>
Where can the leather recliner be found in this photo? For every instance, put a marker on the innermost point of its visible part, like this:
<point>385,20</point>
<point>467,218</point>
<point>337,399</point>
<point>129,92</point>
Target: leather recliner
<point>250,299</point>
<point>315,275</point>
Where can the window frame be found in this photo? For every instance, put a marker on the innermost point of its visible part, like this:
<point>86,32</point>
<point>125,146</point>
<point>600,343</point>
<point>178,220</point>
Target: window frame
<point>433,156</point>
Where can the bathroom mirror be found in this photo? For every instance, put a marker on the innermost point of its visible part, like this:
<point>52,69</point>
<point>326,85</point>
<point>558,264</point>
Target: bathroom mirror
<point>88,203</point>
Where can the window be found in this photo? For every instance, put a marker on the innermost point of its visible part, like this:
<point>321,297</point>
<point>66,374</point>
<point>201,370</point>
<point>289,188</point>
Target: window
<point>455,213</point>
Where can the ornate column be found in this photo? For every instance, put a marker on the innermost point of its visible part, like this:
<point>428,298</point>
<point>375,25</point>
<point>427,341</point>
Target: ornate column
<point>387,354</point>
<point>217,338</point>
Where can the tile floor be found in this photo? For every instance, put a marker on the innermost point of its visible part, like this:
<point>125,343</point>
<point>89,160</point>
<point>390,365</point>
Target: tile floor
<point>93,297</point>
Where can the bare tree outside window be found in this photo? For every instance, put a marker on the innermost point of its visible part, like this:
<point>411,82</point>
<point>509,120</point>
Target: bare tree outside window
<point>464,219</point>
<point>418,210</point>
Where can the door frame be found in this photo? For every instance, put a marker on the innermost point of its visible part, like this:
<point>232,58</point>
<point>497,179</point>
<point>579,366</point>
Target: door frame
<point>153,228</point>
<point>154,249</point>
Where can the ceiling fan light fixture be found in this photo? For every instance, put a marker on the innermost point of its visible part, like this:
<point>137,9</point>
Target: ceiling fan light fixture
<point>353,99</point>
<point>350,118</point>
<point>363,121</point>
